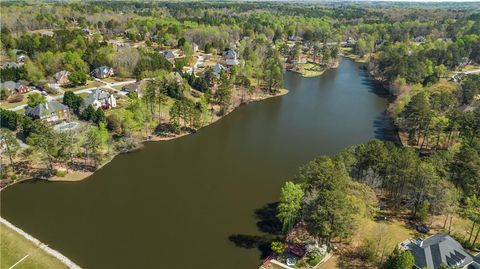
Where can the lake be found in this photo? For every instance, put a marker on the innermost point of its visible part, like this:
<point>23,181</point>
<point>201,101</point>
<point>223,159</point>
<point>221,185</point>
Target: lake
<point>191,202</point>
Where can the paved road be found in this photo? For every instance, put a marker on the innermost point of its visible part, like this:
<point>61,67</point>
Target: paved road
<point>57,97</point>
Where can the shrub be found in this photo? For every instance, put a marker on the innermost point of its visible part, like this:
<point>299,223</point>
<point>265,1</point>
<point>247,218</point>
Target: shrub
<point>278,247</point>
<point>313,258</point>
<point>60,173</point>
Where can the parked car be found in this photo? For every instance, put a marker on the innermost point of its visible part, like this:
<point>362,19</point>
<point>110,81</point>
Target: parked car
<point>422,228</point>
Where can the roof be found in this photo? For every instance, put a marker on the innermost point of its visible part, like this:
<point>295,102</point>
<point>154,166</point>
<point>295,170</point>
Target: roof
<point>177,77</point>
<point>231,62</point>
<point>169,54</point>
<point>217,69</point>
<point>439,249</point>
<point>45,109</point>
<point>11,65</point>
<point>10,85</point>
<point>61,74</point>
<point>102,70</point>
<point>230,54</point>
<point>133,87</point>
<point>95,94</point>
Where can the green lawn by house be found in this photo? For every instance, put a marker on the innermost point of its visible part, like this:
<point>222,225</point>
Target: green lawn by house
<point>90,84</point>
<point>14,247</point>
<point>7,105</point>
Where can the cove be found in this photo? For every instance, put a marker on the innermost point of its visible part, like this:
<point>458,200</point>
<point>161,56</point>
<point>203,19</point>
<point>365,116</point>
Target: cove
<point>191,202</point>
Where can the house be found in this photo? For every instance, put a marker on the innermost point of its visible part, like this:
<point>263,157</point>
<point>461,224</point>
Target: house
<point>419,39</point>
<point>21,58</point>
<point>12,65</point>
<point>217,69</point>
<point>13,86</point>
<point>194,47</point>
<point>102,72</point>
<point>232,62</point>
<point>134,87</point>
<point>52,112</point>
<point>230,54</point>
<point>62,77</point>
<point>87,31</point>
<point>178,77</point>
<point>100,99</point>
<point>440,249</point>
<point>350,42</point>
<point>170,55</point>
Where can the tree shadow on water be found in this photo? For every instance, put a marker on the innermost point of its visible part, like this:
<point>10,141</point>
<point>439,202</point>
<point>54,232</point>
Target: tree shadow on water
<point>262,243</point>
<point>268,223</point>
<point>267,220</point>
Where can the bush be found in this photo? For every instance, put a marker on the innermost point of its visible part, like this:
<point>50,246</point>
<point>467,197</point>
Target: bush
<point>313,258</point>
<point>59,173</point>
<point>278,247</point>
<point>369,252</point>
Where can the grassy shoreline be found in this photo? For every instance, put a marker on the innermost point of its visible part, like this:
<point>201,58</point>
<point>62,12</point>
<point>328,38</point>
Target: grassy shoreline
<point>14,247</point>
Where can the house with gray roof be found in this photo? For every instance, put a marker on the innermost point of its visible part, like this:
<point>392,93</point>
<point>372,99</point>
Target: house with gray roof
<point>230,54</point>
<point>440,249</point>
<point>217,69</point>
<point>13,87</point>
<point>135,87</point>
<point>100,99</point>
<point>170,55</point>
<point>350,42</point>
<point>12,65</point>
<point>51,112</point>
<point>62,77</point>
<point>102,72</point>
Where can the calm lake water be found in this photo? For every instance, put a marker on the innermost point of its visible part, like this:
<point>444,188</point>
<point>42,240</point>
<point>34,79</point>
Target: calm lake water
<point>191,202</point>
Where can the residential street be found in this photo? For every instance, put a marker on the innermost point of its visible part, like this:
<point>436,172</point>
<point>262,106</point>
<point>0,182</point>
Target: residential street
<point>57,97</point>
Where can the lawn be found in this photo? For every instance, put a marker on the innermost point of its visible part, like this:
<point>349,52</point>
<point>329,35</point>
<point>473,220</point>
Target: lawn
<point>14,247</point>
<point>90,84</point>
<point>7,105</point>
<point>310,70</point>
<point>392,232</point>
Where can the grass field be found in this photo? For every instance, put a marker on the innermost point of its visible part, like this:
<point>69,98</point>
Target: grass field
<point>90,84</point>
<point>14,247</point>
<point>391,232</point>
<point>7,105</point>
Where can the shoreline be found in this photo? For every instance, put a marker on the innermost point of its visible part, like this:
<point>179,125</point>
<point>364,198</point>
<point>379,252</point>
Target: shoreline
<point>313,74</point>
<point>56,254</point>
<point>76,176</point>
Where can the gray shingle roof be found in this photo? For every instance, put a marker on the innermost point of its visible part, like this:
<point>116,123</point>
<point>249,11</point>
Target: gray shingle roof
<point>11,65</point>
<point>230,54</point>
<point>96,94</point>
<point>45,109</point>
<point>169,54</point>
<point>10,85</point>
<point>439,249</point>
<point>217,69</point>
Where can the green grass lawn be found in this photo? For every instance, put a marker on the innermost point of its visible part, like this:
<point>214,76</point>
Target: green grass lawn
<point>14,247</point>
<point>7,105</point>
<point>90,84</point>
